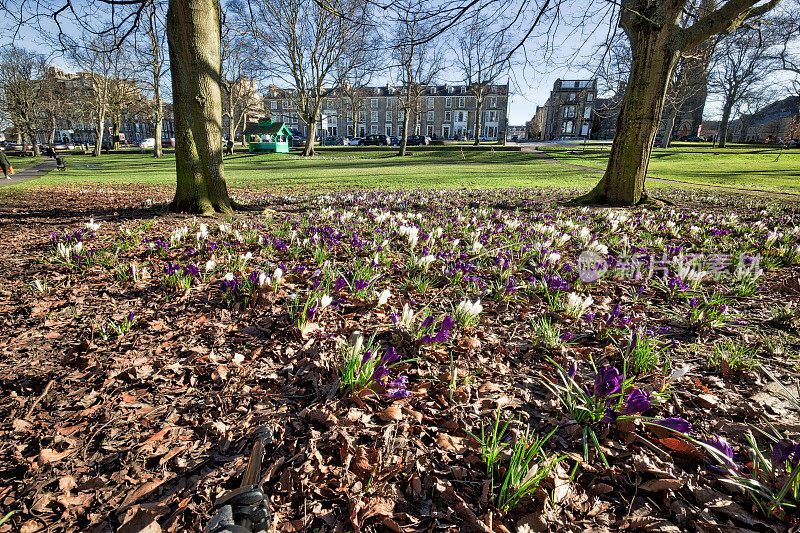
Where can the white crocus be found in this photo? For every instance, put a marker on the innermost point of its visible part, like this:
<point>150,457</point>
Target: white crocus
<point>210,265</point>
<point>92,225</point>
<point>577,305</point>
<point>407,317</point>
<point>384,297</point>
<point>325,301</point>
<point>278,276</point>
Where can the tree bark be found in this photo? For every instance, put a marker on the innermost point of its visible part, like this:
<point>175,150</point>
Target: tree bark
<point>98,130</point>
<point>312,134</point>
<point>158,150</point>
<point>478,107</point>
<point>193,33</point>
<point>672,116</point>
<point>404,134</point>
<point>52,129</point>
<point>654,59</point>
<point>723,125</point>
<point>115,133</point>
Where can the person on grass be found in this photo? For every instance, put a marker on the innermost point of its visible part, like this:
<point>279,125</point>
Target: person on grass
<point>5,164</point>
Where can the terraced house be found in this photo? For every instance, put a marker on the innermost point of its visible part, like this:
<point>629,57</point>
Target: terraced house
<point>442,112</point>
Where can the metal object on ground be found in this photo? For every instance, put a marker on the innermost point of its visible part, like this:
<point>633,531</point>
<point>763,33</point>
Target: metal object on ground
<point>245,509</point>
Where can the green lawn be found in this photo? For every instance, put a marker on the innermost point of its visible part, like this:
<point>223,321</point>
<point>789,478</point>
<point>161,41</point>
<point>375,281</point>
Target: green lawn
<point>21,163</point>
<point>332,168</point>
<point>742,166</point>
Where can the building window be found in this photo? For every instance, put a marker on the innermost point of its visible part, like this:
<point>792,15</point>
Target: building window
<point>388,116</point>
<point>448,102</point>
<point>461,101</point>
<point>430,101</point>
<point>570,111</point>
<point>433,90</point>
<point>587,112</point>
<point>373,129</point>
<point>374,116</point>
<point>388,129</point>
<point>569,127</point>
<point>577,84</point>
<point>430,116</point>
<point>388,103</point>
<point>461,116</point>
<point>273,105</point>
<point>493,101</point>
<point>373,103</point>
<point>590,97</point>
<point>361,116</point>
<point>491,116</point>
<point>448,116</point>
<point>571,97</point>
<point>430,130</point>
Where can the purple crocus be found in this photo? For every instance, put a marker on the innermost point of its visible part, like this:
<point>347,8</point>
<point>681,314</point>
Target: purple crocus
<point>607,382</point>
<point>638,402</point>
<point>675,423</point>
<point>171,268</point>
<point>379,373</point>
<point>725,458</point>
<point>567,336</point>
<point>366,357</point>
<point>428,322</point>
<point>390,356</point>
<point>785,450</point>
<point>573,369</point>
<point>191,270</point>
<point>448,323</point>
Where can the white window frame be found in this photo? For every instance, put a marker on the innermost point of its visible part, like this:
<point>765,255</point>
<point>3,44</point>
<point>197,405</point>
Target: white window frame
<point>374,116</point>
<point>448,102</point>
<point>389,116</point>
<point>430,116</point>
<point>462,101</point>
<point>388,129</point>
<point>273,105</point>
<point>430,101</point>
<point>430,130</point>
<point>448,116</point>
<point>388,103</point>
<point>373,129</point>
<point>373,103</point>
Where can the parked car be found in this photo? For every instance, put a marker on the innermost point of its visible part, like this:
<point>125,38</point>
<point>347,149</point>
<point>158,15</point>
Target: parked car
<point>418,140</point>
<point>375,140</point>
<point>148,144</point>
<point>658,143</point>
<point>355,141</point>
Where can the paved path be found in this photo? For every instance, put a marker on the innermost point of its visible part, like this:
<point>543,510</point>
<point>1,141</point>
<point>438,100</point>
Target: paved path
<point>534,150</point>
<point>36,171</point>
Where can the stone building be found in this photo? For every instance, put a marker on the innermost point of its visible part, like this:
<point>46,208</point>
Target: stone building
<point>568,112</point>
<point>778,120</point>
<point>443,112</point>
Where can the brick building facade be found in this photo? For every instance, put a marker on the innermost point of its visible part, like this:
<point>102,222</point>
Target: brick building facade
<point>567,113</point>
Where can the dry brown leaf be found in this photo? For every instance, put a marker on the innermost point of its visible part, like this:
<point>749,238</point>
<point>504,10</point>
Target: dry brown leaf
<point>657,485</point>
<point>391,413</point>
<point>48,455</point>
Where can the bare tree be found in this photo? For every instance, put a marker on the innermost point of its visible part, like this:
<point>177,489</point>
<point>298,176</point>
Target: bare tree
<point>21,89</point>
<point>418,60</point>
<point>354,72</point>
<point>687,89</point>
<point>305,41</point>
<point>482,58</point>
<point>238,87</point>
<point>742,62</point>
<point>150,43</point>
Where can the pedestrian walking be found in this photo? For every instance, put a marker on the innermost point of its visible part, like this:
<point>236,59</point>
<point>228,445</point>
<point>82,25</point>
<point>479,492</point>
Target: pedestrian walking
<point>229,150</point>
<point>5,164</point>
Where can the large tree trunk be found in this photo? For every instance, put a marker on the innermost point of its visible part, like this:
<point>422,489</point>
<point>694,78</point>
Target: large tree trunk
<point>723,125</point>
<point>672,116</point>
<point>404,134</point>
<point>312,134</point>
<point>654,59</point>
<point>478,106</point>
<point>52,129</point>
<point>193,32</point>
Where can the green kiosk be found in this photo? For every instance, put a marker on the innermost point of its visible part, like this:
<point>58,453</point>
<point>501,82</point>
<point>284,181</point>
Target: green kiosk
<point>268,136</point>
